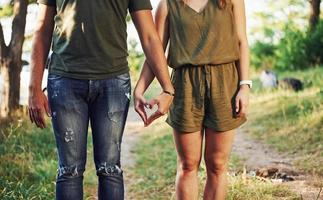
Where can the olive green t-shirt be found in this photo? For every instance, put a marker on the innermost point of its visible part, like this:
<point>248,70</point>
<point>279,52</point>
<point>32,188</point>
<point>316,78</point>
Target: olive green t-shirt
<point>90,37</point>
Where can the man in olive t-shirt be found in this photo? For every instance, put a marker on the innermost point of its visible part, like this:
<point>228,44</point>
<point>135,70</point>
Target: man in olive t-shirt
<point>89,82</point>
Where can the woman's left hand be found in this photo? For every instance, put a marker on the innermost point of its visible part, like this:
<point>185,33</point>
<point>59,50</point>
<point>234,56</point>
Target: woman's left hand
<point>163,101</point>
<point>242,101</point>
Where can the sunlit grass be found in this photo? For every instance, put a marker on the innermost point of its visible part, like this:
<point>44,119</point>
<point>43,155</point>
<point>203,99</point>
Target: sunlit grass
<point>28,163</point>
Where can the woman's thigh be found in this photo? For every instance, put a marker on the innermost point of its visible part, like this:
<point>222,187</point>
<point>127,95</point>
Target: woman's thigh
<point>217,148</point>
<point>189,148</point>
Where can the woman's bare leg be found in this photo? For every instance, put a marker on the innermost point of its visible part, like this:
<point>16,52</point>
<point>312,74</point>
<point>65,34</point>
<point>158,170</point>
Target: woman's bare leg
<point>189,152</point>
<point>217,151</point>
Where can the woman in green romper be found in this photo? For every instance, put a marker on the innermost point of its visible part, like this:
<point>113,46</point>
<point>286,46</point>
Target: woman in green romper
<point>208,51</point>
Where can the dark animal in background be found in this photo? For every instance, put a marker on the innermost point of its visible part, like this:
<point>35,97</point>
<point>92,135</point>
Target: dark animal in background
<point>291,83</point>
<point>269,80</point>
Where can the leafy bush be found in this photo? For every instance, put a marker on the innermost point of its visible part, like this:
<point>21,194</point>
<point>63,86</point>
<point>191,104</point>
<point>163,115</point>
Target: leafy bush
<point>263,55</point>
<point>291,51</point>
<point>296,50</point>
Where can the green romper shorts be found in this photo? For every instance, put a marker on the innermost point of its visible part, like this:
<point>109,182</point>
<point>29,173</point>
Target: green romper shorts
<point>205,98</point>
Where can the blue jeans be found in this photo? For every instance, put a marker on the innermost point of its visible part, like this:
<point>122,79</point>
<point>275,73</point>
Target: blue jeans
<point>74,103</point>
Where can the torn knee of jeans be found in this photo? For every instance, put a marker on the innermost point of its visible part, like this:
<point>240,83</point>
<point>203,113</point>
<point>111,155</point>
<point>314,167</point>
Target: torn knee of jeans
<point>108,170</point>
<point>115,116</point>
<point>69,135</point>
<point>69,171</point>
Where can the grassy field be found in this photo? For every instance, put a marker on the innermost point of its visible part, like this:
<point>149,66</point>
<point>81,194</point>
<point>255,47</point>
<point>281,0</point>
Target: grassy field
<point>156,168</point>
<point>292,121</point>
<point>28,163</point>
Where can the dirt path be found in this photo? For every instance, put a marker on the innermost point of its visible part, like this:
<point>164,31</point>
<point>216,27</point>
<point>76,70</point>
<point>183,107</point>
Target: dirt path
<point>131,137</point>
<point>257,155</point>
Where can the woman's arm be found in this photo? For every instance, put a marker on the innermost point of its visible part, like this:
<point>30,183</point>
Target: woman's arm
<point>147,75</point>
<point>151,44</point>
<point>161,23</point>
<point>242,99</point>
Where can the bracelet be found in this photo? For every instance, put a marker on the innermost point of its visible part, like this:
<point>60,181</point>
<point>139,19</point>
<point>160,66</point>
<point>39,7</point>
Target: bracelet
<point>167,92</point>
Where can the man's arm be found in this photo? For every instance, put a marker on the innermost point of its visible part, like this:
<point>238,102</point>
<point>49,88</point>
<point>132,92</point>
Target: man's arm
<point>152,47</point>
<point>155,64</point>
<point>38,103</point>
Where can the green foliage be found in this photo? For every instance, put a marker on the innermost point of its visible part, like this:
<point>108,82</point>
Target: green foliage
<point>291,51</point>
<point>135,58</point>
<point>273,17</point>
<point>286,44</point>
<point>314,45</point>
<point>6,10</point>
<point>296,50</point>
<point>262,56</point>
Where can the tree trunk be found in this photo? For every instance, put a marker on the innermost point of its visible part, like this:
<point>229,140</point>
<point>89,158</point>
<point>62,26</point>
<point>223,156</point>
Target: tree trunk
<point>10,72</point>
<point>315,13</point>
<point>10,60</point>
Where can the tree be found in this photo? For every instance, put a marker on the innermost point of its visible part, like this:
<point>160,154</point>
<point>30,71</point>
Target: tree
<point>271,21</point>
<point>315,13</point>
<point>10,59</point>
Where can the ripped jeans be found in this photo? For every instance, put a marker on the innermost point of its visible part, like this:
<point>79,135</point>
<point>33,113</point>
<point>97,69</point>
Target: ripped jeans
<point>74,103</point>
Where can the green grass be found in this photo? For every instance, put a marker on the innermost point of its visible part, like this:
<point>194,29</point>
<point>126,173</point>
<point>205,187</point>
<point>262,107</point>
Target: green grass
<point>28,163</point>
<point>155,172</point>
<point>292,122</point>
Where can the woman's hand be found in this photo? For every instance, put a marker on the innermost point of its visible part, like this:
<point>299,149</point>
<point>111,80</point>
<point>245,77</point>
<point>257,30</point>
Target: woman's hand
<point>163,101</point>
<point>242,101</point>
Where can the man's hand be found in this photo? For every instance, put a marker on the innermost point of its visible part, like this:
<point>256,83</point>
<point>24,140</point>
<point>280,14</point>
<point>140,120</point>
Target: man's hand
<point>38,106</point>
<point>242,101</point>
<point>163,101</point>
<point>140,103</point>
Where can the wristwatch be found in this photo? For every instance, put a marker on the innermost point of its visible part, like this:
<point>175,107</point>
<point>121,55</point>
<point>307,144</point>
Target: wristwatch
<point>246,82</point>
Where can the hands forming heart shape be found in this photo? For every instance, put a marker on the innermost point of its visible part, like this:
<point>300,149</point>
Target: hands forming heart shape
<point>163,101</point>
